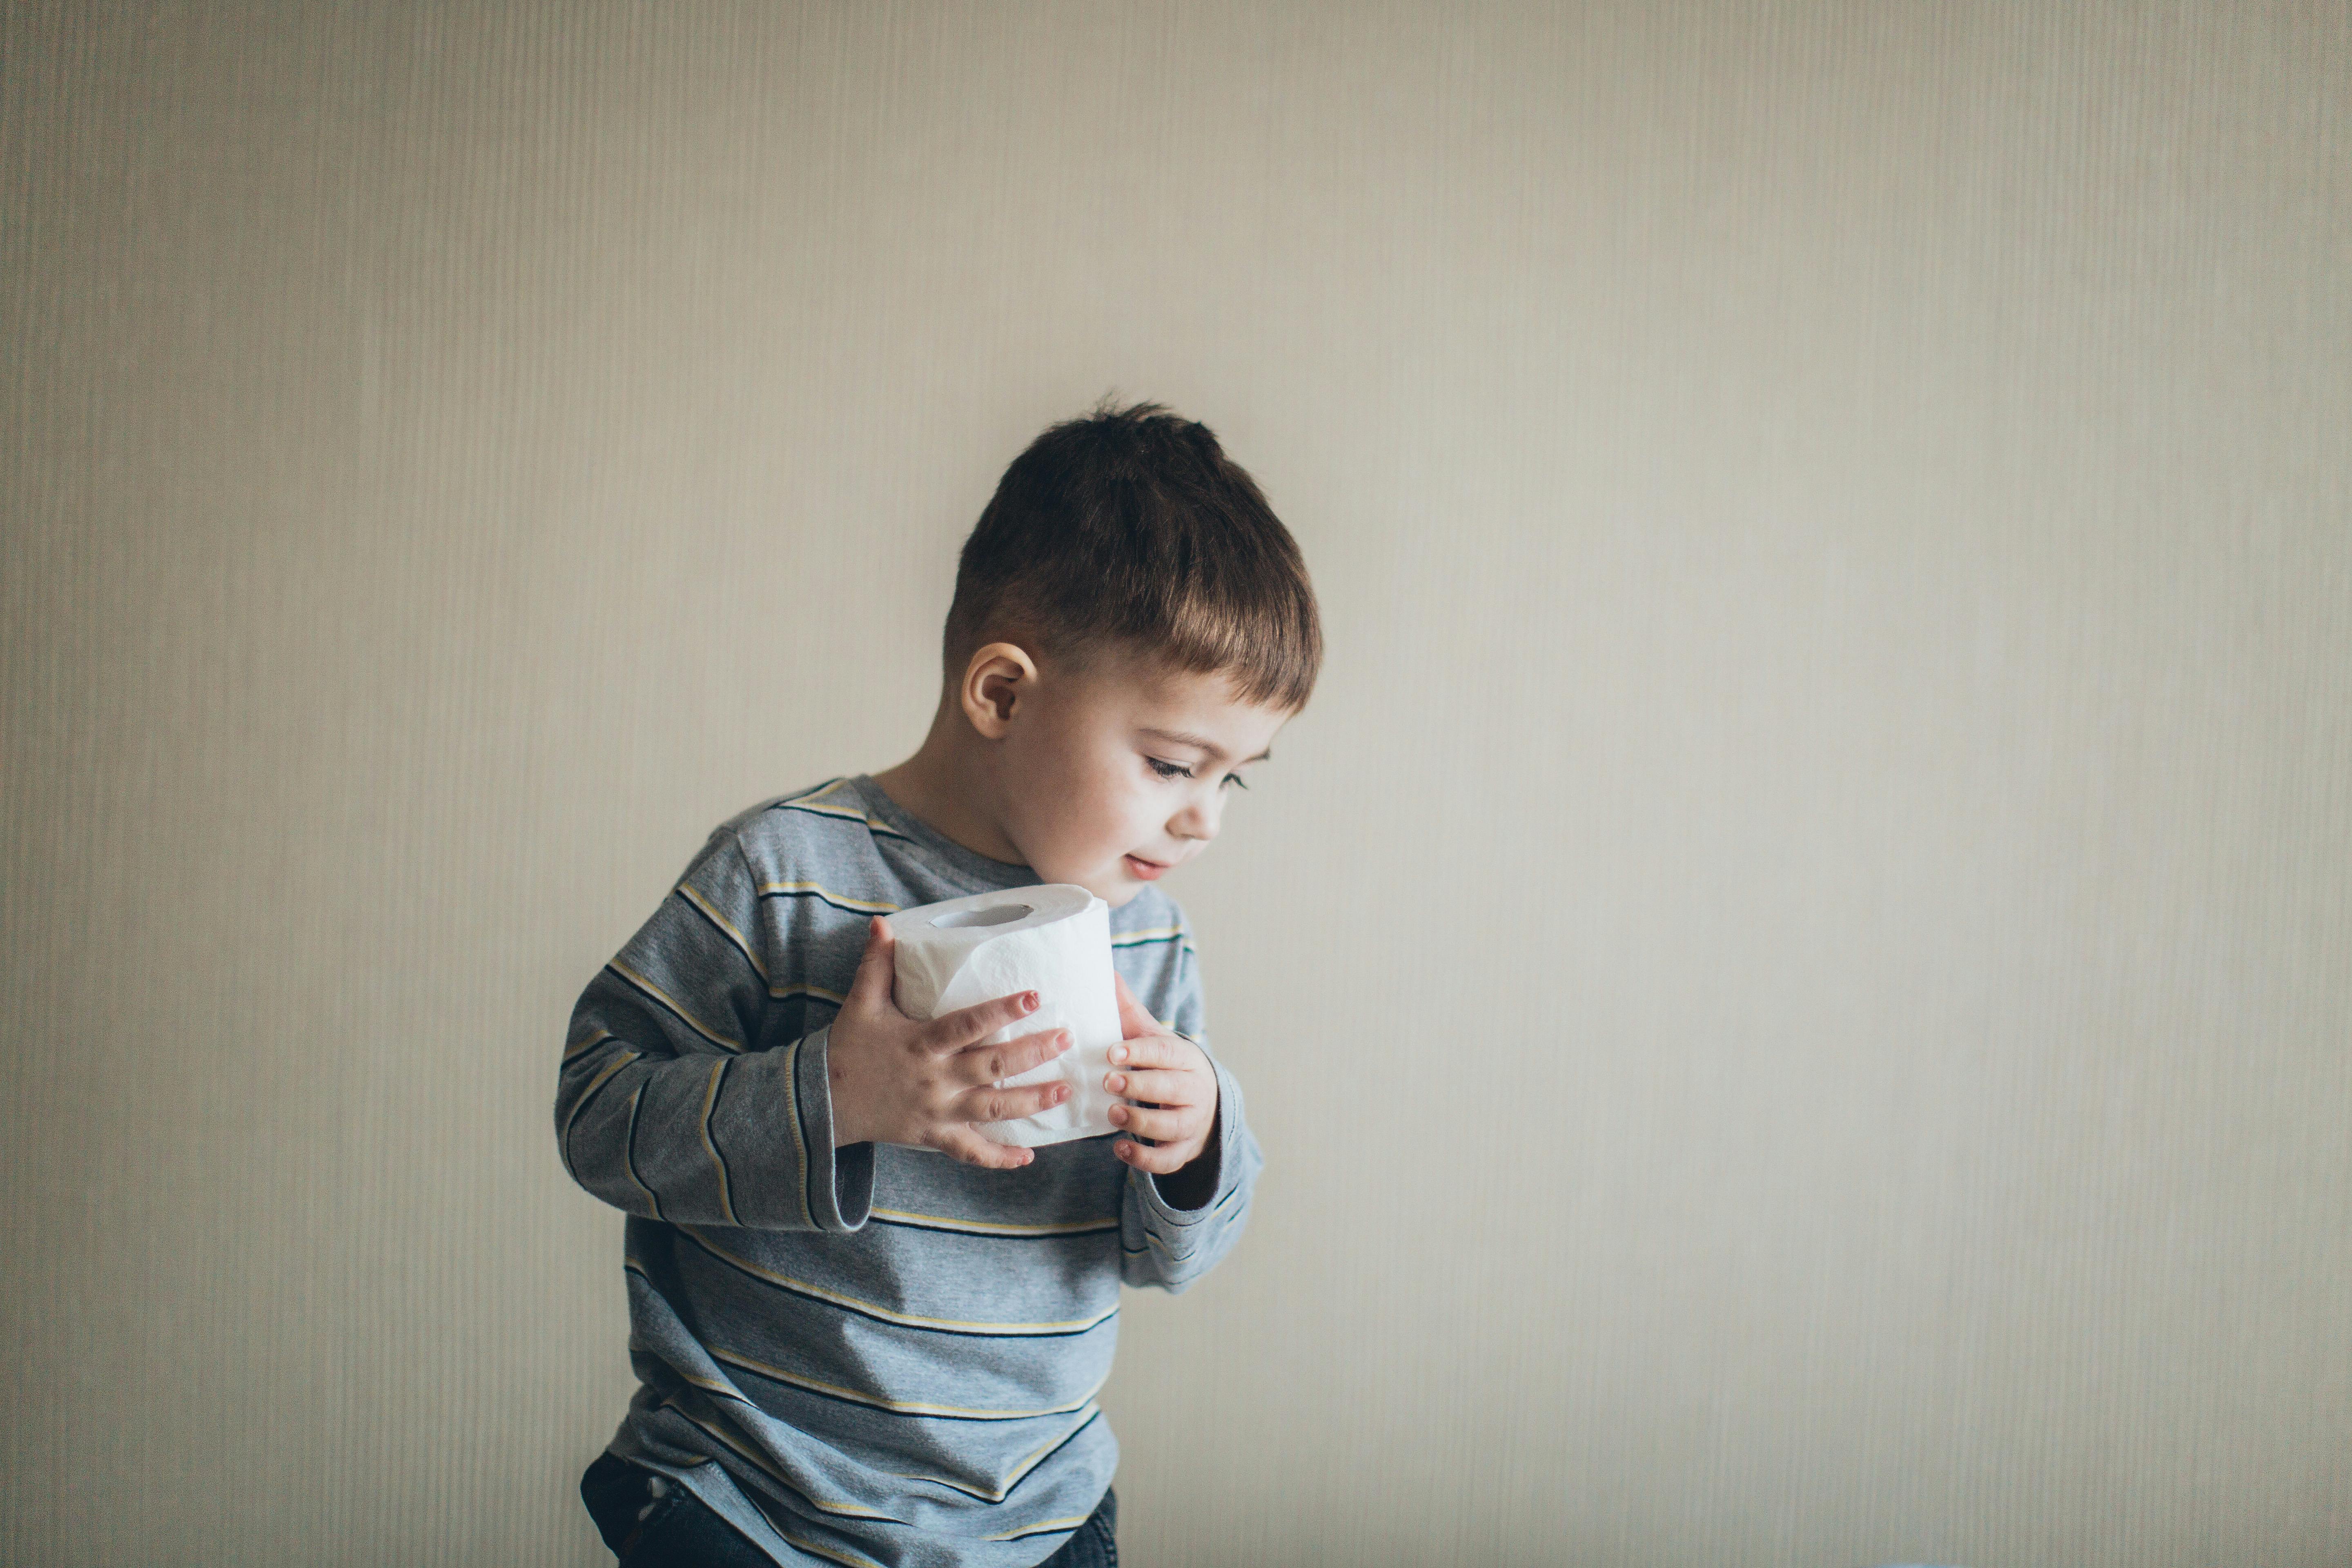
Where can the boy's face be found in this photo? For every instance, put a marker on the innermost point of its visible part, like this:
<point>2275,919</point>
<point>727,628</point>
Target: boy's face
<point>1114,775</point>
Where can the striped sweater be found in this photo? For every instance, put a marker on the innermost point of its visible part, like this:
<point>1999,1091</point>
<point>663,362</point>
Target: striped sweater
<point>869,1354</point>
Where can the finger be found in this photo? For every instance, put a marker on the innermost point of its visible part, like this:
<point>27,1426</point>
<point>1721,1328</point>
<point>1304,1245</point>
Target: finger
<point>1165,1125</point>
<point>995,1064</point>
<point>1158,1049</point>
<point>963,1143</point>
<point>1134,1017</point>
<point>875,966</point>
<point>954,1031</point>
<point>1010,1104</point>
<point>1156,1088</point>
<point>1162,1162</point>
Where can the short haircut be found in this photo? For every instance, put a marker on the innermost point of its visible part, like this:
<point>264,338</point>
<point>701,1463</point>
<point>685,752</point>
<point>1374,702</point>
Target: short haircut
<point>1130,527</point>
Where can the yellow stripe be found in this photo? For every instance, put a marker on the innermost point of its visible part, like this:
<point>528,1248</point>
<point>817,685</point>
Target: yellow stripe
<point>814,795</point>
<point>903,1406</point>
<point>1087,1410</point>
<point>617,1063</point>
<point>1043,1527</point>
<point>870,906</point>
<point>709,1099</point>
<point>887,1314</point>
<point>846,813</point>
<point>1158,933</point>
<point>760,1462</point>
<point>652,1203</point>
<point>846,1559</point>
<point>670,1001</point>
<point>563,1144</point>
<point>1151,1239</point>
<point>590,1044</point>
<point>779,992</point>
<point>723,923</point>
<point>707,1385</point>
<point>990,1228</point>
<point>1086,1413</point>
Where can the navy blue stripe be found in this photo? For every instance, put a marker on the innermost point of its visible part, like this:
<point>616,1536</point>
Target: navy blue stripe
<point>1036,1465</point>
<point>758,1376</point>
<point>815,1163</point>
<point>726,1456</point>
<point>820,896</point>
<point>724,935</point>
<point>877,1317</point>
<point>691,1027</point>
<point>628,1267</point>
<point>629,1150</point>
<point>992,1235</point>
<point>710,1130</point>
<point>861,820</point>
<point>800,995</point>
<point>675,1402</point>
<point>586,1100</point>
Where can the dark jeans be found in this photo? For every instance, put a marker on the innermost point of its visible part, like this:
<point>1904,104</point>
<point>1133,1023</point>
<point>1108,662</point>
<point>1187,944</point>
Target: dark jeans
<point>674,1531</point>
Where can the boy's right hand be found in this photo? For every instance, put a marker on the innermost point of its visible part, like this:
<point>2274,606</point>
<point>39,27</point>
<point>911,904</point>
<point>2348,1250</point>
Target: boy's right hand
<point>896,1081</point>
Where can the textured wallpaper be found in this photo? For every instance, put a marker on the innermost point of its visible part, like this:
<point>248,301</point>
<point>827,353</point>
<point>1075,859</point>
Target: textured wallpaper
<point>1795,979</point>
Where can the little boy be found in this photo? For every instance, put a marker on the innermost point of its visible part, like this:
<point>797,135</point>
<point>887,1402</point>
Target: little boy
<point>863,1332</point>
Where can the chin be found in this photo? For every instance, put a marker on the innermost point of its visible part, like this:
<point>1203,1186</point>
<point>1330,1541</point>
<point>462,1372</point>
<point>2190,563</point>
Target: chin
<point>1111,888</point>
<point>1112,885</point>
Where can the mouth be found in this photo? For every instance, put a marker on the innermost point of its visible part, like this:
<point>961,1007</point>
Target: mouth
<point>1144,870</point>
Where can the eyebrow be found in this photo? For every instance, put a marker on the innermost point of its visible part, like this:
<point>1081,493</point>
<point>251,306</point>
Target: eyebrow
<point>1216,754</point>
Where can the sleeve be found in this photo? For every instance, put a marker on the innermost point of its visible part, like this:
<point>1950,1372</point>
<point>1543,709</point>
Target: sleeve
<point>673,1103</point>
<point>1160,1244</point>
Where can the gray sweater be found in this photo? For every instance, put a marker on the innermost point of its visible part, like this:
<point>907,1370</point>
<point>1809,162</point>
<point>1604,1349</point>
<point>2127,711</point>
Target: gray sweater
<point>869,1354</point>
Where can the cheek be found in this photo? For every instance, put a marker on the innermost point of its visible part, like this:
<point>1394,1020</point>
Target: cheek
<point>1117,807</point>
<point>1117,811</point>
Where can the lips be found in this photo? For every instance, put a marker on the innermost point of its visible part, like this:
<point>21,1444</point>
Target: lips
<point>1144,870</point>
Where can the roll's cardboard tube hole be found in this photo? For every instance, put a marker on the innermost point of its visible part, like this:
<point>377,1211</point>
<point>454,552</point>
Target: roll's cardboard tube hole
<point>996,915</point>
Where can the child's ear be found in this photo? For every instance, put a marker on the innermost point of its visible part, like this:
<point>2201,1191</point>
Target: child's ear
<point>997,677</point>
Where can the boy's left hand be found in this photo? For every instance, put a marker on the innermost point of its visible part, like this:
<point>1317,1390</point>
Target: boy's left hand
<point>1172,1077</point>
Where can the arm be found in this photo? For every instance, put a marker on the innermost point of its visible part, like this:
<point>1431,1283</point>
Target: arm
<point>1187,1192</point>
<point>671,1103</point>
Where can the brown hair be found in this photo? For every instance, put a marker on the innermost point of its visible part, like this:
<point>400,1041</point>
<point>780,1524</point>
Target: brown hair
<point>1131,525</point>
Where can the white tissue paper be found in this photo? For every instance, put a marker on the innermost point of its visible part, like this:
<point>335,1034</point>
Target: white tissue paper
<point>1052,939</point>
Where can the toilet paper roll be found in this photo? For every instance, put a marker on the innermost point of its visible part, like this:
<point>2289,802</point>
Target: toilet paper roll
<point>1052,939</point>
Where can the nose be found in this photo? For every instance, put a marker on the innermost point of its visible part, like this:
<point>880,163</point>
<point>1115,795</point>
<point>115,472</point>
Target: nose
<point>1198,817</point>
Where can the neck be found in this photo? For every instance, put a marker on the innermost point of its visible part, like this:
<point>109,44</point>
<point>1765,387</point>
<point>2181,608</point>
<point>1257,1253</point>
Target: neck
<point>948,785</point>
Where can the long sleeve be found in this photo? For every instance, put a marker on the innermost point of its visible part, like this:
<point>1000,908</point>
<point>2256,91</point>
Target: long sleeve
<point>1160,1244</point>
<point>674,1102</point>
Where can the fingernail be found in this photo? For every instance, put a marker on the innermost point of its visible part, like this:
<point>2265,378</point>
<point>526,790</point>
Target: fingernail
<point>1118,1114</point>
<point>1028,1001</point>
<point>1116,1083</point>
<point>1119,1053</point>
<point>1062,1040</point>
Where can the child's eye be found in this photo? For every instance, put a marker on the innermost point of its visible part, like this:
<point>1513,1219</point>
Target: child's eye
<point>1168,770</point>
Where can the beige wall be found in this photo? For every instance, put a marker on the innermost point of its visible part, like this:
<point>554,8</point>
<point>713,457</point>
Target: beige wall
<point>1796,979</point>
